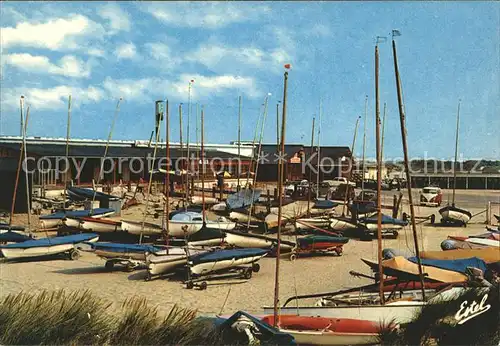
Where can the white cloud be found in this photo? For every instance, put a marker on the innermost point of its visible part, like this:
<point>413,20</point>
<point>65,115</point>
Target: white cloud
<point>119,20</point>
<point>237,59</point>
<point>54,34</point>
<point>319,29</point>
<point>50,98</point>
<point>126,51</point>
<point>207,15</point>
<point>68,66</point>
<point>204,86</point>
<point>139,90</point>
<point>146,89</point>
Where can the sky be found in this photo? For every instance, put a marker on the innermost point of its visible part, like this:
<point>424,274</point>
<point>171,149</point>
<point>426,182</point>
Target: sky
<point>148,51</point>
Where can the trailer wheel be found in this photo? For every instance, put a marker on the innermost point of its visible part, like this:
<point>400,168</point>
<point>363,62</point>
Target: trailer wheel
<point>129,268</point>
<point>148,277</point>
<point>189,285</point>
<point>256,267</point>
<point>203,286</point>
<point>433,219</point>
<point>464,224</point>
<point>247,274</point>
<point>74,255</point>
<point>293,257</point>
<point>338,251</point>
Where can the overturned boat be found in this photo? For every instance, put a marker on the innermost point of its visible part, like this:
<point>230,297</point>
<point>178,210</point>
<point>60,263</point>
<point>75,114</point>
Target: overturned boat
<point>452,214</point>
<point>243,239</point>
<point>54,219</point>
<point>214,261</point>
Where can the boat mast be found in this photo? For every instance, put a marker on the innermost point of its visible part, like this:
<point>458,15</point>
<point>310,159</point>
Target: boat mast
<point>181,146</point>
<point>379,178</point>
<point>253,149</point>
<point>239,143</point>
<point>202,156</point>
<point>456,157</point>
<point>319,148</point>
<point>280,197</point>
<point>310,173</point>
<point>68,168</point>
<point>349,176</point>
<point>264,117</point>
<point>167,177</point>
<point>383,137</point>
<point>364,149</point>
<point>187,143</point>
<point>117,110</point>
<point>19,163</point>
<point>407,169</point>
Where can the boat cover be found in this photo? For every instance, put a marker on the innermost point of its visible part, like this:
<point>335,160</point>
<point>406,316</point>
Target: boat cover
<point>221,255</point>
<point>456,265</point>
<point>207,233</point>
<point>488,255</point>
<point>117,247</point>
<point>13,237</point>
<point>12,227</point>
<point>68,239</point>
<point>80,194</point>
<point>453,208</point>
<point>386,220</point>
<point>361,207</point>
<point>77,213</point>
<point>326,204</point>
<point>182,210</point>
<point>267,335</point>
<point>321,239</point>
<point>187,216</point>
<point>242,198</point>
<point>402,268</point>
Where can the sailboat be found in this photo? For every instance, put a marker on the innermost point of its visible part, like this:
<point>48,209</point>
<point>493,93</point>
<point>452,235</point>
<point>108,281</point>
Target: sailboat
<point>451,213</point>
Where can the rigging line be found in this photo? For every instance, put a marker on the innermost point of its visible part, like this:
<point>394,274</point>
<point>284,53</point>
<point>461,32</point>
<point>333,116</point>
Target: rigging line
<point>253,147</point>
<point>148,194</point>
<point>101,168</point>
<point>264,117</point>
<point>25,130</point>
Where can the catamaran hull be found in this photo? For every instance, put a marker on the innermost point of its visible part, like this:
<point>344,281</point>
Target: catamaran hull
<point>208,200</point>
<point>342,225</point>
<point>223,225</point>
<point>304,223</point>
<point>162,264</point>
<point>208,267</point>
<point>135,228</point>
<point>385,227</point>
<point>91,226</point>
<point>244,241</point>
<point>139,256</point>
<point>49,223</point>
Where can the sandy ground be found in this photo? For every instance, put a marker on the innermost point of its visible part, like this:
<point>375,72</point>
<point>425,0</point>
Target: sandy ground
<point>303,276</point>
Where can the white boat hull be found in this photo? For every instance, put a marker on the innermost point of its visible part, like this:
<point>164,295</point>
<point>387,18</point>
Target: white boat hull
<point>208,200</point>
<point>39,251</point>
<point>455,216</point>
<point>331,338</point>
<point>99,227</point>
<point>385,227</point>
<point>242,217</point>
<point>481,241</point>
<point>341,225</point>
<point>223,225</point>
<point>303,223</point>
<point>49,223</point>
<point>243,241</point>
<point>208,267</point>
<point>162,263</point>
<point>175,228</point>
<point>135,228</point>
<point>376,313</point>
<point>71,223</point>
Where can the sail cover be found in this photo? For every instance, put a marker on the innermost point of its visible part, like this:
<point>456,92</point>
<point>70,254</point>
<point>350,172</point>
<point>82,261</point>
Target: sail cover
<point>456,265</point>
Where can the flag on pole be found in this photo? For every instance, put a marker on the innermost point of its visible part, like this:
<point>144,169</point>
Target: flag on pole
<point>381,39</point>
<point>191,81</point>
<point>288,66</point>
<point>396,33</point>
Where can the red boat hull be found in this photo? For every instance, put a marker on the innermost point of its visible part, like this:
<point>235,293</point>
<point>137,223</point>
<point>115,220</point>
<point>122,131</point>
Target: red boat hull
<point>313,323</point>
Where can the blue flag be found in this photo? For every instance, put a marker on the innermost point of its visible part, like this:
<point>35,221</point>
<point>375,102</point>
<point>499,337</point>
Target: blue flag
<point>396,33</point>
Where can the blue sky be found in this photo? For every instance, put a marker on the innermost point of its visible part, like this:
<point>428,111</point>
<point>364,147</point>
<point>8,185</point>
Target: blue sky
<point>143,51</point>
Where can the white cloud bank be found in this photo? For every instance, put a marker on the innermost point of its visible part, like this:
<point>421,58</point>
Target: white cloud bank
<point>207,15</point>
<point>126,51</point>
<point>119,20</point>
<point>54,34</point>
<point>68,66</point>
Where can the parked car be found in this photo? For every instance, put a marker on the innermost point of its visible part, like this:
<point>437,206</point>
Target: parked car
<point>367,195</point>
<point>340,192</point>
<point>431,196</point>
<point>335,182</point>
<point>325,189</point>
<point>371,184</point>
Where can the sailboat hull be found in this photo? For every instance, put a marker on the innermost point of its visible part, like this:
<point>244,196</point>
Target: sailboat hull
<point>209,267</point>
<point>163,262</point>
<point>304,223</point>
<point>455,215</point>
<point>342,225</point>
<point>253,241</point>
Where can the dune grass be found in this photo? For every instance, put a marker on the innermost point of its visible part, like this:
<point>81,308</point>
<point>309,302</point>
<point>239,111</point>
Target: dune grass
<point>81,318</point>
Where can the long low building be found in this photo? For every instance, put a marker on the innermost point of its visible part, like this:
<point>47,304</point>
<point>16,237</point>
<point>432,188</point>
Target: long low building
<point>129,161</point>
